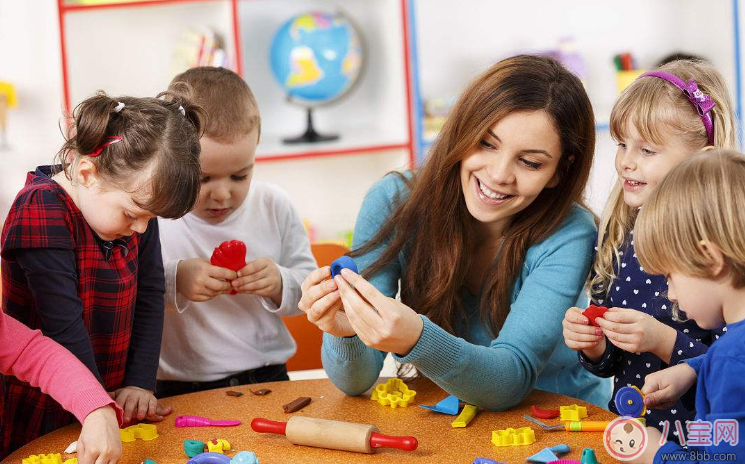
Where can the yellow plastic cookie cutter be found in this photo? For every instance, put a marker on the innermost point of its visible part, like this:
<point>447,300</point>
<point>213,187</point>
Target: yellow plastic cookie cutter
<point>513,437</point>
<point>55,458</point>
<point>145,432</point>
<point>572,412</point>
<point>393,393</point>
<point>466,416</point>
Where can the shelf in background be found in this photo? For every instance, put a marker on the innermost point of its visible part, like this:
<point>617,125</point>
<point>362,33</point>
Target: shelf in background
<point>69,7</point>
<point>351,141</point>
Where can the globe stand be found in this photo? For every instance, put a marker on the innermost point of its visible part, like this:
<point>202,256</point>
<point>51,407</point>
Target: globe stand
<point>310,135</point>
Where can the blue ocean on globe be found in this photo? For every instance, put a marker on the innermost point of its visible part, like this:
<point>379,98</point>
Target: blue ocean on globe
<point>316,57</point>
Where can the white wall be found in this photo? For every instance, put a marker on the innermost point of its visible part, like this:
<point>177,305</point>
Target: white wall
<point>456,41</point>
<point>30,59</point>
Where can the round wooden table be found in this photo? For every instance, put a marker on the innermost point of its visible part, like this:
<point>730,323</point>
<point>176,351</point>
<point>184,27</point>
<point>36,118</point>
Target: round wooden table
<point>438,441</point>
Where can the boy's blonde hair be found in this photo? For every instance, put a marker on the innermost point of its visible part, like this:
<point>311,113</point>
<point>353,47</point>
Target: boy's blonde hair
<point>700,199</point>
<point>655,108</point>
<point>227,100</point>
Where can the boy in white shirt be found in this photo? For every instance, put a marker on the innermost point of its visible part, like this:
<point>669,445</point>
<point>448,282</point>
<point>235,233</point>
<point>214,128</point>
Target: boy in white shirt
<point>212,339</point>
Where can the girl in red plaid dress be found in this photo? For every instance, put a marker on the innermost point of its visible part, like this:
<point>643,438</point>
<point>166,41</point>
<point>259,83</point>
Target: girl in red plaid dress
<point>81,255</point>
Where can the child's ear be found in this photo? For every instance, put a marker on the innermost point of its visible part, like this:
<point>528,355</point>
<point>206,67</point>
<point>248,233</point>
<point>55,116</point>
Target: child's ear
<point>719,263</point>
<point>708,148</point>
<point>87,173</point>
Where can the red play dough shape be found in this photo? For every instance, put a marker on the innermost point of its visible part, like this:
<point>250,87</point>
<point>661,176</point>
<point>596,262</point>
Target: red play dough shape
<point>231,254</point>
<point>594,311</point>
<point>544,413</point>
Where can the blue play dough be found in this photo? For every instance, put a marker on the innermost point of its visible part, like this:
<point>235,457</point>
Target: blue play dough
<point>623,396</point>
<point>245,457</point>
<point>345,262</point>
<point>549,454</point>
<point>449,405</point>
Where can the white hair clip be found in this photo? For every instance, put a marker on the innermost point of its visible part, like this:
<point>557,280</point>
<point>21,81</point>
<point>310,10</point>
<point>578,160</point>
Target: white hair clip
<point>119,107</point>
<point>181,110</point>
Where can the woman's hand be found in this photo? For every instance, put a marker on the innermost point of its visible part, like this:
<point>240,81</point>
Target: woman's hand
<point>382,323</point>
<point>321,303</point>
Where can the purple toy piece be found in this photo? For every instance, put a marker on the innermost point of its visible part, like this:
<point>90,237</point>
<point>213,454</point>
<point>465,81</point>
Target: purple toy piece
<point>485,461</point>
<point>196,421</point>
<point>209,458</point>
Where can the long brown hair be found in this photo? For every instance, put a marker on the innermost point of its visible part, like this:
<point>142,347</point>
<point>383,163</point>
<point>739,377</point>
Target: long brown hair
<point>433,226</point>
<point>161,132</point>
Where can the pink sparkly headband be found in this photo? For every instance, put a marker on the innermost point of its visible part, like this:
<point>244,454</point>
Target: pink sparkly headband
<point>701,101</point>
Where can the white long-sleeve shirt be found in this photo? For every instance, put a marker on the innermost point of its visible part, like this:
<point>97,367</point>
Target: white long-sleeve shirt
<point>229,334</point>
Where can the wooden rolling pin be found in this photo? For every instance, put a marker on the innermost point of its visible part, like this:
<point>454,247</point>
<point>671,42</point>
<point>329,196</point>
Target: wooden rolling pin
<point>330,434</point>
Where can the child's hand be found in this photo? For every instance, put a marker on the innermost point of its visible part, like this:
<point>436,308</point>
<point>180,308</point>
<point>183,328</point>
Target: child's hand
<point>198,280</point>
<point>99,441</point>
<point>637,332</point>
<point>654,437</point>
<point>381,322</point>
<point>260,277</point>
<point>579,335</point>
<point>663,388</point>
<point>140,404</point>
<point>322,304</point>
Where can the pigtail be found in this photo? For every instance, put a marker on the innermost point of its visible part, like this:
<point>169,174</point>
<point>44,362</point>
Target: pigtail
<point>91,119</point>
<point>179,97</point>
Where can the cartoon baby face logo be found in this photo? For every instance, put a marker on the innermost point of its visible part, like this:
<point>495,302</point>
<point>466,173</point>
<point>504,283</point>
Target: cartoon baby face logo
<point>625,438</point>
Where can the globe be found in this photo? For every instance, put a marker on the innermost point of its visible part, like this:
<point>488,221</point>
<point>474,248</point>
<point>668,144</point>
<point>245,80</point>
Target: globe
<point>316,57</point>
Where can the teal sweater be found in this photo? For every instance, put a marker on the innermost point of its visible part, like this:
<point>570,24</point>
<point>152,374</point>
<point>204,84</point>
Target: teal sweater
<point>494,373</point>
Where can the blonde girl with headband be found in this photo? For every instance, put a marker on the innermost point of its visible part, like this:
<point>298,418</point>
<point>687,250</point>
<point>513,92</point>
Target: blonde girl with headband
<point>658,121</point>
<point>81,255</point>
<point>692,231</point>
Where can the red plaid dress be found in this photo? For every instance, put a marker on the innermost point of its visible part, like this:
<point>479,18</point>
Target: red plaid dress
<point>123,349</point>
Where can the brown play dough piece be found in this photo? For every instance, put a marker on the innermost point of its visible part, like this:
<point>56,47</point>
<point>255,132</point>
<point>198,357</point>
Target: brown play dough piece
<point>297,405</point>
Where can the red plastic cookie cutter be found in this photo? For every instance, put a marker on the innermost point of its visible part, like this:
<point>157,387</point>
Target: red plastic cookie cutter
<point>231,255</point>
<point>594,311</point>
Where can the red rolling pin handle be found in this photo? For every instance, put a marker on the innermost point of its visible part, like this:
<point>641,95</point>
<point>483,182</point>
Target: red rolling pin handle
<point>268,426</point>
<point>378,440</point>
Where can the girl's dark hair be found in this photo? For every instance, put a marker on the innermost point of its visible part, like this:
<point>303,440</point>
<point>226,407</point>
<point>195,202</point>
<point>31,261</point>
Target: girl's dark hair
<point>433,227</point>
<point>156,137</point>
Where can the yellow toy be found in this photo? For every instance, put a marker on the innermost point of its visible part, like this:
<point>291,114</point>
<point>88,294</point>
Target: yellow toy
<point>145,432</point>
<point>218,445</point>
<point>466,416</point>
<point>513,437</point>
<point>7,100</point>
<point>55,458</point>
<point>393,393</point>
<point>572,412</point>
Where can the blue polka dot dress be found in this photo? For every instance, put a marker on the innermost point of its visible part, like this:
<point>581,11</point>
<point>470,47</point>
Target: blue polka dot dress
<point>635,289</point>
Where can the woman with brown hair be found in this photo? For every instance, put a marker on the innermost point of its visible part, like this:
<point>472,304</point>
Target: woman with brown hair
<point>488,243</point>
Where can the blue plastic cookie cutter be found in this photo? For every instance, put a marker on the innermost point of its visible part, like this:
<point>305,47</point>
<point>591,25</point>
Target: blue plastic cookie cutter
<point>449,405</point>
<point>630,402</point>
<point>485,461</point>
<point>209,458</point>
<point>345,262</point>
